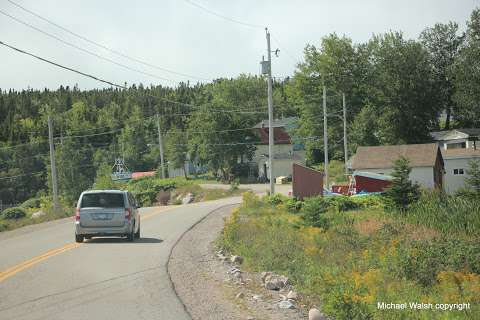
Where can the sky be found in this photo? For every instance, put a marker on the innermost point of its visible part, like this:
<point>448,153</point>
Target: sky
<point>180,36</point>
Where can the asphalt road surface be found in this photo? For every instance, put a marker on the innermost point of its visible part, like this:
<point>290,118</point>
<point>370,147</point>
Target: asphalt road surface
<point>44,274</point>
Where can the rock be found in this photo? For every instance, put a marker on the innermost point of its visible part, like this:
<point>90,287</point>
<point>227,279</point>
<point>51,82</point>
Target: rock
<point>234,270</point>
<point>314,314</point>
<point>286,304</point>
<point>283,297</point>
<point>275,282</point>
<point>264,275</point>
<point>187,199</point>
<point>257,297</point>
<point>236,259</point>
<point>250,318</point>
<point>292,295</point>
<point>38,214</point>
<point>240,295</point>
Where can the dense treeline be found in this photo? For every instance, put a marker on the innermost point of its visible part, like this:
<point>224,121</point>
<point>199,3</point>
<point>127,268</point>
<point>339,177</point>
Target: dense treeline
<point>395,89</point>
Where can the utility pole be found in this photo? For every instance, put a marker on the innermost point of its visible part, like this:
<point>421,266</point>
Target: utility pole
<point>325,134</point>
<point>345,145</point>
<point>270,116</point>
<point>52,163</point>
<point>160,146</point>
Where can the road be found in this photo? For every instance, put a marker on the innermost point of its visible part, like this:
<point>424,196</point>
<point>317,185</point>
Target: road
<point>45,275</point>
<point>257,188</point>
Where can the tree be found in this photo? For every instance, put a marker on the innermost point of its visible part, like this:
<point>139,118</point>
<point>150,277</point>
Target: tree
<point>473,179</point>
<point>443,42</point>
<point>402,192</point>
<point>402,90</point>
<point>467,76</point>
<point>177,148</point>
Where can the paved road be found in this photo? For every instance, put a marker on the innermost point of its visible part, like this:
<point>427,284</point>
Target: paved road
<point>45,275</point>
<point>255,187</point>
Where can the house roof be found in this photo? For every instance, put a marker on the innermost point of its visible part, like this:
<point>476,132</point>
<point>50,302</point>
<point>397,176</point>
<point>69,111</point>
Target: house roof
<point>373,175</point>
<point>455,134</point>
<point>382,157</point>
<point>460,153</point>
<point>278,123</point>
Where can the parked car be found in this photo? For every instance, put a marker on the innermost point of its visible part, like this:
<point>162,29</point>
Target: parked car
<point>107,213</point>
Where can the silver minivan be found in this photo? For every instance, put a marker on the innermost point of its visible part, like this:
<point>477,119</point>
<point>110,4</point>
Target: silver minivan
<point>107,213</point>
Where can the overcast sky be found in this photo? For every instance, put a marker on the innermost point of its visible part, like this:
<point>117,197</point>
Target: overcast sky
<point>179,36</point>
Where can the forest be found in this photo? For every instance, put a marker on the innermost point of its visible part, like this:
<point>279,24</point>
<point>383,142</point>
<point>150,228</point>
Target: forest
<point>396,91</point>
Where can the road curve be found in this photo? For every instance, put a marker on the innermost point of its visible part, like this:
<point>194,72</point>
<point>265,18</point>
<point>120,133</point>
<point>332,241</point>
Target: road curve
<point>45,275</point>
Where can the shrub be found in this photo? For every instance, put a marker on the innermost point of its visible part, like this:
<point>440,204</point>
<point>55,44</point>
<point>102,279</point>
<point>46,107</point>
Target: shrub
<point>294,205</point>
<point>31,203</point>
<point>14,213</point>
<point>343,203</point>
<point>250,199</point>
<point>313,212</point>
<point>276,199</point>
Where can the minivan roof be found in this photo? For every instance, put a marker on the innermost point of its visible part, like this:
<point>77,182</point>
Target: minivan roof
<point>105,191</point>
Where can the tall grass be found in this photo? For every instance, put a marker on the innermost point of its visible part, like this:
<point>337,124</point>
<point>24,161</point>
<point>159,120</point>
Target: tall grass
<point>446,213</point>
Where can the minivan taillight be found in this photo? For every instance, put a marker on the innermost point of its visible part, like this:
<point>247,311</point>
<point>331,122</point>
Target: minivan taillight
<point>77,214</point>
<point>128,214</point>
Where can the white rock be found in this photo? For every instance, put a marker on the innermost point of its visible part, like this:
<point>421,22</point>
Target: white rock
<point>240,295</point>
<point>257,297</point>
<point>265,274</point>
<point>314,314</point>
<point>283,297</point>
<point>38,214</point>
<point>292,295</point>
<point>187,199</point>
<point>286,304</point>
<point>236,259</point>
<point>275,282</point>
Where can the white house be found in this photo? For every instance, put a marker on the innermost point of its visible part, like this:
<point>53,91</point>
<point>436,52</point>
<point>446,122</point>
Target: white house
<point>286,153</point>
<point>457,138</point>
<point>456,165</point>
<point>425,160</point>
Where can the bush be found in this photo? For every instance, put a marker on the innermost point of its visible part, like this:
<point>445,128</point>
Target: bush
<point>343,203</point>
<point>276,199</point>
<point>31,203</point>
<point>14,213</point>
<point>313,212</point>
<point>294,205</point>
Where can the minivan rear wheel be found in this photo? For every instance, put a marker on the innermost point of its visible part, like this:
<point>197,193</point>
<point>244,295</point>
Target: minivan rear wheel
<point>78,238</point>
<point>137,234</point>
<point>131,236</point>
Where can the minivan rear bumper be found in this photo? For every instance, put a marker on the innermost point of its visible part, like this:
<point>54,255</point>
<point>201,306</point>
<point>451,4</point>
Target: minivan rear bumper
<point>104,231</point>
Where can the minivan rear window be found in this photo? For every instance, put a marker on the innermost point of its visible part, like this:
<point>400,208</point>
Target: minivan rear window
<point>102,200</point>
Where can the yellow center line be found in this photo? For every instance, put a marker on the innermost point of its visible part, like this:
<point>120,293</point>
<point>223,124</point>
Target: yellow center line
<point>5,274</point>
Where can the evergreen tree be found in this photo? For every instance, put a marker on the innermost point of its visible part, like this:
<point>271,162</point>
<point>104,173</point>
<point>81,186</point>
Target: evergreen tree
<point>402,192</point>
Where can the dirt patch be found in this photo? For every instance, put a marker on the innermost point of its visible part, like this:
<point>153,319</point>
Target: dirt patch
<point>203,283</point>
<point>369,226</point>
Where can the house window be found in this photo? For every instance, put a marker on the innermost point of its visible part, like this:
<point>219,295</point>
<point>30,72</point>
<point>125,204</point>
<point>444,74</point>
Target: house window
<point>461,145</point>
<point>458,171</point>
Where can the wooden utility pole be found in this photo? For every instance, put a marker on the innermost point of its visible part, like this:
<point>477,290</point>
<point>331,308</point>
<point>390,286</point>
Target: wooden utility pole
<point>270,116</point>
<point>160,146</point>
<point>325,135</point>
<point>345,145</point>
<point>52,164</point>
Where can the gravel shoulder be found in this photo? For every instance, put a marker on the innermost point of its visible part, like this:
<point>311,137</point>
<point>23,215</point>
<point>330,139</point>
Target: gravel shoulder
<point>203,283</point>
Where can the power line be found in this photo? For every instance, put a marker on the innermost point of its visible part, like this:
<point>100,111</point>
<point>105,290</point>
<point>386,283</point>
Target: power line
<point>105,47</point>
<point>85,50</point>
<point>251,25</point>
<point>61,66</point>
